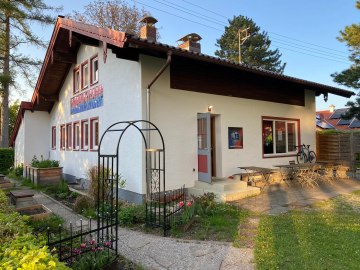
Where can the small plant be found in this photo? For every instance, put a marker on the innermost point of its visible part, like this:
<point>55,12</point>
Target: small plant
<point>131,214</point>
<point>205,203</point>
<point>188,212</point>
<point>44,163</point>
<point>82,203</point>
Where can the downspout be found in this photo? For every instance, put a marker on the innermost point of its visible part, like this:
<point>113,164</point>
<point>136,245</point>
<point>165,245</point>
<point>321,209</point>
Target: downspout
<point>168,61</point>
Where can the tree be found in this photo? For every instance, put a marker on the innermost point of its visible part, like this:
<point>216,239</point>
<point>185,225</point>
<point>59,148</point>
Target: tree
<point>13,111</point>
<point>113,14</point>
<point>256,49</point>
<point>351,77</point>
<point>15,19</point>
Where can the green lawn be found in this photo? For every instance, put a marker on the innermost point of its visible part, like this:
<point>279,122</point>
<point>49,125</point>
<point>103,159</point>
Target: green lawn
<point>326,236</point>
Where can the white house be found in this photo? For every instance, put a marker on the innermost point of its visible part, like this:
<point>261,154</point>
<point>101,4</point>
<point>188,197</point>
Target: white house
<point>214,114</point>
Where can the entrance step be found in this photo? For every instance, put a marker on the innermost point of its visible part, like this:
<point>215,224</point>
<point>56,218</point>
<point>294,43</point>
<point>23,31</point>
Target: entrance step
<point>229,195</point>
<point>221,185</point>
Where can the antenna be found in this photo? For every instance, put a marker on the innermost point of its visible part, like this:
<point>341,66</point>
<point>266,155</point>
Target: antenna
<point>243,36</point>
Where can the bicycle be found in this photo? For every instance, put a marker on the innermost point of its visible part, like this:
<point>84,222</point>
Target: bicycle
<point>305,155</point>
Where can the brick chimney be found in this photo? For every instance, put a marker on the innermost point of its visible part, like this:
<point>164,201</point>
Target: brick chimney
<point>190,42</point>
<point>148,30</point>
<point>332,108</point>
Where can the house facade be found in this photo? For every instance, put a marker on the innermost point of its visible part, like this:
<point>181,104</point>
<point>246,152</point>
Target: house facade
<point>214,115</point>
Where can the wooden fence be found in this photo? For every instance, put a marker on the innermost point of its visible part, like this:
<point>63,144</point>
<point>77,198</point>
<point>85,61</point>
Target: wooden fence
<point>339,147</point>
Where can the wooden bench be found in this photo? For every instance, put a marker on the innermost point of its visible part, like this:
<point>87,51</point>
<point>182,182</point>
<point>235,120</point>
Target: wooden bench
<point>22,198</point>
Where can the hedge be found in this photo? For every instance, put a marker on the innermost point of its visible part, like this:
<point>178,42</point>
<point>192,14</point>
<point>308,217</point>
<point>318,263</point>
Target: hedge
<point>6,159</point>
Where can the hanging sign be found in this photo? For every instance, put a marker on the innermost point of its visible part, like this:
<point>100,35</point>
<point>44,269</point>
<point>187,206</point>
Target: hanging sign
<point>88,100</point>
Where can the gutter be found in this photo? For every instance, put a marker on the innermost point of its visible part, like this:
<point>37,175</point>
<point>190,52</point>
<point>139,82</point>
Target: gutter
<point>158,74</point>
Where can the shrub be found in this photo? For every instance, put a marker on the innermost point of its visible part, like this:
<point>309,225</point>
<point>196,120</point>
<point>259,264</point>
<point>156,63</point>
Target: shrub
<point>18,170</point>
<point>6,159</point>
<point>44,163</point>
<point>132,215</point>
<point>205,203</point>
<point>82,203</point>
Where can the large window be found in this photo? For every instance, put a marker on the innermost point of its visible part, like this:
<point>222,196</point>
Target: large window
<point>62,137</point>
<point>76,139</point>
<point>53,137</point>
<point>84,135</point>
<point>68,136</point>
<point>280,136</point>
<point>94,66</point>
<point>94,133</point>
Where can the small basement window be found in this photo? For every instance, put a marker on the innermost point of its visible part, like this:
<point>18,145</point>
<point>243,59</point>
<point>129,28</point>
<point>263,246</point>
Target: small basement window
<point>94,133</point>
<point>62,137</point>
<point>84,135</point>
<point>84,75</point>
<point>94,66</point>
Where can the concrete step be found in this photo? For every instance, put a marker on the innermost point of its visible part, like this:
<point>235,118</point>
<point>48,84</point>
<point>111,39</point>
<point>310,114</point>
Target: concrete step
<point>221,185</point>
<point>227,196</point>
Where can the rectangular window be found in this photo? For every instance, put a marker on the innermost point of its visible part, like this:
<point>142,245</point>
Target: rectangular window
<point>94,133</point>
<point>94,69</point>
<point>84,75</point>
<point>53,138</point>
<point>280,136</point>
<point>76,79</point>
<point>68,136</point>
<point>84,135</point>
<point>62,137</point>
<point>76,139</point>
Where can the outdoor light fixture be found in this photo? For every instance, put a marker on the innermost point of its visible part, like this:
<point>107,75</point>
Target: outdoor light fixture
<point>210,108</point>
<point>326,97</point>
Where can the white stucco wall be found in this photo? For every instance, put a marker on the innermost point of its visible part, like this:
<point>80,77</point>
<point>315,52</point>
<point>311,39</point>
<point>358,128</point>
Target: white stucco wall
<point>32,138</point>
<point>121,83</point>
<point>175,113</point>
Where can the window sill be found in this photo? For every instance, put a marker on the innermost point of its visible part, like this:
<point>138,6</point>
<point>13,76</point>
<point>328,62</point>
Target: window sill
<point>84,149</point>
<point>93,83</point>
<point>93,150</point>
<point>280,155</point>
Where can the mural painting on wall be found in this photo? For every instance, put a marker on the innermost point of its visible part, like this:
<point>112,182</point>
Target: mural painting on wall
<point>235,138</point>
<point>88,100</point>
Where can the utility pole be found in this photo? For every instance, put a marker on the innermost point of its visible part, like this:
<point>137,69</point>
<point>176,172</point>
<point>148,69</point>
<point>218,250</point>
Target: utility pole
<point>243,36</point>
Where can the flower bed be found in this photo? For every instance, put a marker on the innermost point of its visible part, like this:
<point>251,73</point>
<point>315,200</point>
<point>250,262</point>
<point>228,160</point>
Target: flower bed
<point>44,172</point>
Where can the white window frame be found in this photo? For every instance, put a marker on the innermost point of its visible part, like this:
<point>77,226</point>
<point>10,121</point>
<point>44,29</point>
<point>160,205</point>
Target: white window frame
<point>76,136</point>
<point>85,78</point>
<point>84,135</point>
<point>94,74</point>
<point>287,152</point>
<point>77,80</point>
<point>93,122</point>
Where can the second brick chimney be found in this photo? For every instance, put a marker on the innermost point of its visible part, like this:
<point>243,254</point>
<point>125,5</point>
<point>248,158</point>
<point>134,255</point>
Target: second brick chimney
<point>191,43</point>
<point>148,30</point>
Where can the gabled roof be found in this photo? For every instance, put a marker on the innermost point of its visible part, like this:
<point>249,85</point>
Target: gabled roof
<point>332,120</point>
<point>68,35</point>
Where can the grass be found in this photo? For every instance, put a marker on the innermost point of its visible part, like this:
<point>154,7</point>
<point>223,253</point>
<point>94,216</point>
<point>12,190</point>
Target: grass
<point>325,236</point>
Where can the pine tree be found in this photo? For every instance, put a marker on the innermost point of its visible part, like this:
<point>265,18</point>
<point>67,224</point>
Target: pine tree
<point>351,77</point>
<point>15,19</point>
<point>255,51</point>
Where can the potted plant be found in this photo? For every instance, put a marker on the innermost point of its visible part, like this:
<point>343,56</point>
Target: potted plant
<point>44,172</point>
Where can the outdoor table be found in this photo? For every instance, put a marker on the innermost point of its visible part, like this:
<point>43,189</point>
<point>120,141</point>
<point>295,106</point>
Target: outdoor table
<point>252,171</point>
<point>305,174</point>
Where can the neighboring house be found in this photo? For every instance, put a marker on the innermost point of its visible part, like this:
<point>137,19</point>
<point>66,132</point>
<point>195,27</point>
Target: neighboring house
<point>331,119</point>
<point>214,114</point>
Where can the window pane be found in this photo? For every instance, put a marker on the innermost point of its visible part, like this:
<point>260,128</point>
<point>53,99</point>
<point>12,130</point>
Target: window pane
<point>96,137</point>
<point>86,131</point>
<point>202,136</point>
<point>86,75</point>
<point>268,137</point>
<point>95,70</point>
<point>280,137</point>
<point>291,137</point>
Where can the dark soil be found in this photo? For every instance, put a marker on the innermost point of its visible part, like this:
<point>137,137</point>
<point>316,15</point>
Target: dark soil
<point>122,264</point>
<point>31,212</point>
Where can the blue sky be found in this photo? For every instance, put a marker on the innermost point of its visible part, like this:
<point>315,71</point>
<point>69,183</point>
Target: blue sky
<point>304,31</point>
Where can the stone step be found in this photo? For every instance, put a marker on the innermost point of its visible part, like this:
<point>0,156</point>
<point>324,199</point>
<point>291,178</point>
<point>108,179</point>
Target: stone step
<point>221,185</point>
<point>227,196</point>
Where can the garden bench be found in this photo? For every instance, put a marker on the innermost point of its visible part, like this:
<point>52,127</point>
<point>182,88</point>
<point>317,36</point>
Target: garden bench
<point>22,198</point>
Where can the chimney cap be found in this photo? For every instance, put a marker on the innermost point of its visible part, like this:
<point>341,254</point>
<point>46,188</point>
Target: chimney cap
<point>148,20</point>
<point>192,37</point>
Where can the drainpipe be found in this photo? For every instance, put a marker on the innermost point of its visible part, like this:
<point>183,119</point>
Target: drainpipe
<point>168,61</point>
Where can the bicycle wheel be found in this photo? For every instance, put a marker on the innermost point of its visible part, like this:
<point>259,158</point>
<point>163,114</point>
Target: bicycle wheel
<point>312,157</point>
<point>301,158</point>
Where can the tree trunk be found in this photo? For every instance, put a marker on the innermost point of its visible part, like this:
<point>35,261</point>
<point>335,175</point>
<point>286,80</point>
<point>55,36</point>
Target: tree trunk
<point>6,85</point>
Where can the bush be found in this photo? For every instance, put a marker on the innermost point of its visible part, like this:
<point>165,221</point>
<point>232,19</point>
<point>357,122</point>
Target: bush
<point>18,170</point>
<point>44,163</point>
<point>6,159</point>
<point>132,214</point>
<point>82,203</point>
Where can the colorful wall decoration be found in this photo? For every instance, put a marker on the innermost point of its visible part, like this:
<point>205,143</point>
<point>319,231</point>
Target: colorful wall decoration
<point>235,138</point>
<point>87,100</point>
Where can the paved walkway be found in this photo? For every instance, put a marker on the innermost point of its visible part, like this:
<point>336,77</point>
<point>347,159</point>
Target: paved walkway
<point>156,252</point>
<point>280,198</point>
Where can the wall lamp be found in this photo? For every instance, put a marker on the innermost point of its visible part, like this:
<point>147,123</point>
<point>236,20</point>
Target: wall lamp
<point>326,97</point>
<point>210,108</point>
